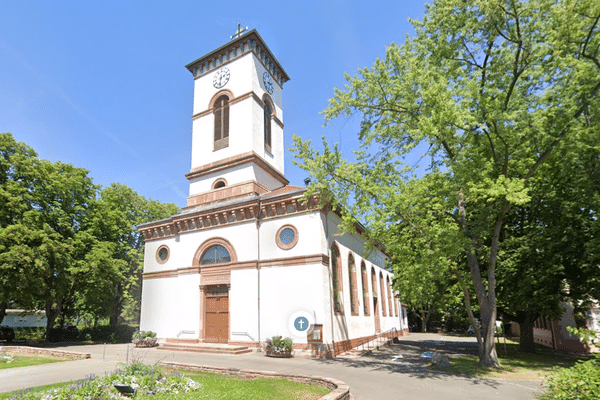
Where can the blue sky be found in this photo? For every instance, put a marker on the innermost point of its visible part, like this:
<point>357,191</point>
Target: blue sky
<point>102,84</point>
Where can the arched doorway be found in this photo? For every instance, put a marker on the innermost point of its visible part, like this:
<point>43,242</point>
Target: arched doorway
<point>215,254</point>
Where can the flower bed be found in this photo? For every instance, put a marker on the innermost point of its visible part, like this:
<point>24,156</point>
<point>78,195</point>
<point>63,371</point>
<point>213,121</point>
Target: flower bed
<point>141,379</point>
<point>278,347</point>
<point>144,339</point>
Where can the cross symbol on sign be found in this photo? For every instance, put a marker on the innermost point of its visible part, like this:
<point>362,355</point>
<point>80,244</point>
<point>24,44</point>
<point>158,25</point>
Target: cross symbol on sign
<point>301,324</point>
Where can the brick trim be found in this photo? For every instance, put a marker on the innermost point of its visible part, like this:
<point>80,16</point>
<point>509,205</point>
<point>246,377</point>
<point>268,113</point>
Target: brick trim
<point>218,269</point>
<point>230,162</point>
<point>225,193</point>
<point>275,207</point>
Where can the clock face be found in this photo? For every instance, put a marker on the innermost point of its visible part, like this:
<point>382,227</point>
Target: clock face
<point>268,82</point>
<point>221,77</point>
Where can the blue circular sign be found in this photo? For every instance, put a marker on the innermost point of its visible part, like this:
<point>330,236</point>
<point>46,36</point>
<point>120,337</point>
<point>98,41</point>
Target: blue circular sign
<point>301,324</point>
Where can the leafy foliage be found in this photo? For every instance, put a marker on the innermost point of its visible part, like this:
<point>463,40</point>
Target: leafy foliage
<point>67,247</point>
<point>581,381</point>
<point>485,93</point>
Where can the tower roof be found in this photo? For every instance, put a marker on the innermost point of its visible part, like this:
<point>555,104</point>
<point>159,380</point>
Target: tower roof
<point>245,43</point>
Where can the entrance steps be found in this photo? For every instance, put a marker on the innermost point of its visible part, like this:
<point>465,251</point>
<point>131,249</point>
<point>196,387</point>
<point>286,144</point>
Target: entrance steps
<point>194,345</point>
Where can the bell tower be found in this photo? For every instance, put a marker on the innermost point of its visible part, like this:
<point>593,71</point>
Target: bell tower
<point>237,128</point>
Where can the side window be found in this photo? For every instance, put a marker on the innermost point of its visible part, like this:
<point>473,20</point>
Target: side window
<point>221,113</point>
<point>336,272</point>
<point>382,288</point>
<point>365,287</point>
<point>268,112</point>
<point>353,289</point>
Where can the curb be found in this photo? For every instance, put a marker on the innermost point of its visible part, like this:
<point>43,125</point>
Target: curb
<point>37,350</point>
<point>340,390</point>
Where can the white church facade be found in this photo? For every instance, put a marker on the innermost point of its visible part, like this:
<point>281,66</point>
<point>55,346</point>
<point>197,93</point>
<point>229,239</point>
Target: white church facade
<point>248,258</point>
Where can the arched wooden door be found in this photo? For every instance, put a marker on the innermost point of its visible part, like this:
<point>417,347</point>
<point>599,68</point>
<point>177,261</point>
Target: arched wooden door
<point>217,314</point>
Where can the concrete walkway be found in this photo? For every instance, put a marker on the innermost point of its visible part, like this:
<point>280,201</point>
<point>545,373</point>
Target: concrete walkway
<point>381,375</point>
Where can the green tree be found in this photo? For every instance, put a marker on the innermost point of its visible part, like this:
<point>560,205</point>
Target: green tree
<point>114,220</point>
<point>546,259</point>
<point>17,161</point>
<point>61,195</point>
<point>65,246</point>
<point>486,90</point>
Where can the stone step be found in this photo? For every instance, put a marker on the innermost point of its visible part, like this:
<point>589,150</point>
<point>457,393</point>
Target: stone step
<point>182,341</point>
<point>210,348</point>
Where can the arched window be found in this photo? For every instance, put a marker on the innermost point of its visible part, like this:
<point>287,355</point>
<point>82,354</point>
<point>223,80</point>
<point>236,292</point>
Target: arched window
<point>268,112</point>
<point>215,254</point>
<point>382,288</point>
<point>389,295</point>
<point>336,272</point>
<point>393,298</point>
<point>221,112</point>
<point>219,183</point>
<point>353,288</point>
<point>365,288</point>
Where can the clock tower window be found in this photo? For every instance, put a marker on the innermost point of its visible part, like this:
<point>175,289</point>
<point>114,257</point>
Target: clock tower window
<point>268,112</point>
<point>221,113</point>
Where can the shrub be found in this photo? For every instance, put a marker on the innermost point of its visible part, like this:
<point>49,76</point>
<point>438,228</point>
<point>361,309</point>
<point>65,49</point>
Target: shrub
<point>582,381</point>
<point>279,346</point>
<point>29,333</point>
<point>108,333</point>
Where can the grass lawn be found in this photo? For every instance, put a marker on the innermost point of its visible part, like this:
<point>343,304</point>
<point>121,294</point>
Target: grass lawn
<point>214,386</point>
<point>18,360</point>
<point>515,365</point>
<point>234,387</point>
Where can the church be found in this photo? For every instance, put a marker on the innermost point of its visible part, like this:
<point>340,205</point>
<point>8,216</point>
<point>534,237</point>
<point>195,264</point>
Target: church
<point>249,257</point>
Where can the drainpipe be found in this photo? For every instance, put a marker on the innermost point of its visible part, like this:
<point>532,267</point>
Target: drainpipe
<point>258,266</point>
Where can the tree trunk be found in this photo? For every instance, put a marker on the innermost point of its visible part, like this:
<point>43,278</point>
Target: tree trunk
<point>117,306</point>
<point>487,347</point>
<point>527,344</point>
<point>423,324</point>
<point>51,316</point>
<point>3,307</point>
<point>485,298</point>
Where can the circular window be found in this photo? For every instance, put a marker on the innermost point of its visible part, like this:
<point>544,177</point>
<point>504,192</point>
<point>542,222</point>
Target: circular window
<point>162,254</point>
<point>287,237</point>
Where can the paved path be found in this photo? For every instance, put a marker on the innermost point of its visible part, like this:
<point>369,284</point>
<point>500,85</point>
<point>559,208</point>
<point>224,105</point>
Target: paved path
<point>376,376</point>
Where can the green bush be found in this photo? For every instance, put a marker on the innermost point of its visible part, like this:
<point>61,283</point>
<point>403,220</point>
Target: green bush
<point>144,334</point>
<point>581,381</point>
<point>108,333</point>
<point>279,346</point>
<point>29,333</point>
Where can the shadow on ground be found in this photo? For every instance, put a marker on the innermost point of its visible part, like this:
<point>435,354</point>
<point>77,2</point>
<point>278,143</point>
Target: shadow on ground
<point>404,357</point>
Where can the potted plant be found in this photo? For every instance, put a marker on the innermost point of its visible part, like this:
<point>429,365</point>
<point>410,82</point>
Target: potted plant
<point>144,339</point>
<point>278,347</point>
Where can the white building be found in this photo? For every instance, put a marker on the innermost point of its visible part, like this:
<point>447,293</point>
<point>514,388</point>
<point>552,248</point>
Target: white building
<point>24,319</point>
<point>247,258</point>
